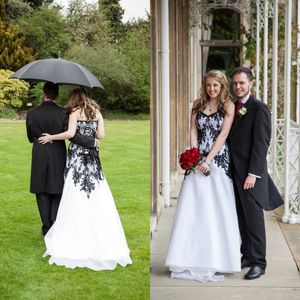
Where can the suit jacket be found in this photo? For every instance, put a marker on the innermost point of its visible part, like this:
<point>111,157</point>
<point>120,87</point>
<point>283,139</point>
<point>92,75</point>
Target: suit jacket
<point>249,141</point>
<point>48,161</point>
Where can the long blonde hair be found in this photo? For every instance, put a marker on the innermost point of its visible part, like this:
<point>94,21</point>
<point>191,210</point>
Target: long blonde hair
<point>78,99</point>
<point>224,97</point>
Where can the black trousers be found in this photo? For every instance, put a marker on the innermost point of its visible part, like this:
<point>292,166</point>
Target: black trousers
<point>48,206</point>
<point>251,225</point>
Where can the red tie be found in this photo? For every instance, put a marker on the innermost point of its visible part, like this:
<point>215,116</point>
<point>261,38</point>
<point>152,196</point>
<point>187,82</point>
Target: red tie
<point>238,106</point>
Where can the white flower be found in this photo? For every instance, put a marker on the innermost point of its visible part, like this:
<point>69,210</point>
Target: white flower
<point>243,111</point>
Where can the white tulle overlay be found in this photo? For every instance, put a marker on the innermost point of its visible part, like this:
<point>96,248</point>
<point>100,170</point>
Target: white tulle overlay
<point>205,237</point>
<point>88,231</point>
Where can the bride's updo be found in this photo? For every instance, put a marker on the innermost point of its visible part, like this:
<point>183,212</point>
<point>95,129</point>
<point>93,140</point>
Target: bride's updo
<point>78,99</point>
<point>224,97</point>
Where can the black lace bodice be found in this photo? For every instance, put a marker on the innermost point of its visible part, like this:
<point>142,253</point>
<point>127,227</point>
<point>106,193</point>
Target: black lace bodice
<point>84,162</point>
<point>209,128</point>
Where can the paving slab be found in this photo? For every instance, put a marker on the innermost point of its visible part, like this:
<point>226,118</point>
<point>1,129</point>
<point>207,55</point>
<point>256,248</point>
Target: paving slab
<point>228,293</point>
<point>291,233</point>
<point>281,281</point>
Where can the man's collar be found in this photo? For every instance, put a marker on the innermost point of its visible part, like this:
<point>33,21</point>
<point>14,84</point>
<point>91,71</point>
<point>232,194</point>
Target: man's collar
<point>48,100</point>
<point>245,99</point>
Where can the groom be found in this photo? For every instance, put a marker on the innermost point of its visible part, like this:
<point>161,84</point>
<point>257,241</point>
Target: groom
<point>49,160</point>
<point>254,189</point>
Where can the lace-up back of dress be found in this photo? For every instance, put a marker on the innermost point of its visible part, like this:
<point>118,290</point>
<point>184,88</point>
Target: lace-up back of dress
<point>84,161</point>
<point>87,128</point>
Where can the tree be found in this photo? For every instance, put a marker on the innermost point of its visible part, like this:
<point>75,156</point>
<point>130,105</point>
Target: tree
<point>15,9</point>
<point>123,69</point>
<point>113,13</point>
<point>87,24</point>
<point>13,52</point>
<point>38,3</point>
<point>2,9</point>
<point>45,31</point>
<point>35,94</point>
<point>13,92</point>
<point>136,50</point>
<point>108,65</point>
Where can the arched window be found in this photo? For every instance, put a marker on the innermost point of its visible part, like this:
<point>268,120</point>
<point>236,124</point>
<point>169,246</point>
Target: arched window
<point>220,41</point>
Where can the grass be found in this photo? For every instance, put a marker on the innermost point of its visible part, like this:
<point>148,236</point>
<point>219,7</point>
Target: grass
<point>24,273</point>
<point>120,115</point>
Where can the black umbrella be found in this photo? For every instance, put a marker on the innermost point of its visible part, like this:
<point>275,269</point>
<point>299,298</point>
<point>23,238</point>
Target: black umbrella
<point>58,71</point>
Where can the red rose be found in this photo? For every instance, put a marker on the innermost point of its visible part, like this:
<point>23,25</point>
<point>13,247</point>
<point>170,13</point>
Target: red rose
<point>189,159</point>
<point>194,154</point>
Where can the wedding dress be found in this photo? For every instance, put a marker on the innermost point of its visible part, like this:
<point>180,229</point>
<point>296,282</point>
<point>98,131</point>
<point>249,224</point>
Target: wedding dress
<point>205,236</point>
<point>87,231</point>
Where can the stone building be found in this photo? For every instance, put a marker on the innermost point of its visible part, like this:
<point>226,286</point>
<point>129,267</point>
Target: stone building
<point>190,37</point>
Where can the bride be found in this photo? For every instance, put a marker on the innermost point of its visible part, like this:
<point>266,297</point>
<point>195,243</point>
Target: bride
<point>87,231</point>
<point>205,237</point>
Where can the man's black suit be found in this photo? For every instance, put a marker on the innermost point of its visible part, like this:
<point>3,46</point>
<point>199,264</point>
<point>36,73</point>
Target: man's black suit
<point>249,142</point>
<point>48,160</point>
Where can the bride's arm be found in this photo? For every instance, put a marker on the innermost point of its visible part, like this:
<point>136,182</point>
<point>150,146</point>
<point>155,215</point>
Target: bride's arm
<point>100,129</point>
<point>46,138</point>
<point>193,131</point>
<point>220,141</point>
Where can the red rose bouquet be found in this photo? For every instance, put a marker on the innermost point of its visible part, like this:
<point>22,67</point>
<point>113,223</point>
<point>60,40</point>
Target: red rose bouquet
<point>189,160</point>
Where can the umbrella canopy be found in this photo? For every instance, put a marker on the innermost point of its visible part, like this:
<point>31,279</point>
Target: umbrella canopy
<point>58,71</point>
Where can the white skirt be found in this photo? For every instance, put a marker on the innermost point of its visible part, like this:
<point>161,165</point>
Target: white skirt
<point>88,231</point>
<point>205,236</point>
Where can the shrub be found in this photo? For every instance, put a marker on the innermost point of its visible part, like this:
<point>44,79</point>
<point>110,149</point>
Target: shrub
<point>13,92</point>
<point>8,113</point>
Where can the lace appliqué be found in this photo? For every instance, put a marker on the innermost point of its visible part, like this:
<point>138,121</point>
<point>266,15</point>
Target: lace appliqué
<point>84,162</point>
<point>209,127</point>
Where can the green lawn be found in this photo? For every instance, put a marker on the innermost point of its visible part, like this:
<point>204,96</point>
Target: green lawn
<point>24,273</point>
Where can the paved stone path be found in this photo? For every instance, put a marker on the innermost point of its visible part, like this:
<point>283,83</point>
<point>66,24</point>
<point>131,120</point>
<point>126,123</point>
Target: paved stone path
<point>281,281</point>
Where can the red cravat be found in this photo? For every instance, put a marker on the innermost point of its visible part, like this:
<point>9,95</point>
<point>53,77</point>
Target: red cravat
<point>238,106</point>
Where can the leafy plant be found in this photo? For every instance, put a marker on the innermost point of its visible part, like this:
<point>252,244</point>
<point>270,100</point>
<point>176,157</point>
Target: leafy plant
<point>13,92</point>
<point>87,24</point>
<point>15,9</point>
<point>13,51</point>
<point>8,113</point>
<point>113,13</point>
<point>135,49</point>
<point>47,41</point>
<point>35,94</point>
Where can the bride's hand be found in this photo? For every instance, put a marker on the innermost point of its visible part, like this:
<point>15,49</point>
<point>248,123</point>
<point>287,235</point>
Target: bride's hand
<point>45,138</point>
<point>97,144</point>
<point>204,167</point>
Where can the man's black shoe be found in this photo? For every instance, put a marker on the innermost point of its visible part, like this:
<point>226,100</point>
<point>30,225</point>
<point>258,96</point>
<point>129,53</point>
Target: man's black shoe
<point>245,264</point>
<point>254,272</point>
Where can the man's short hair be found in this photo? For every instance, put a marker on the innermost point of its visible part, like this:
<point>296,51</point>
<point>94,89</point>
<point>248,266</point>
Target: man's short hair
<point>244,70</point>
<point>51,90</point>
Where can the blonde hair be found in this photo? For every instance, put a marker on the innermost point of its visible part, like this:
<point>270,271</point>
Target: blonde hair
<point>78,99</point>
<point>224,97</point>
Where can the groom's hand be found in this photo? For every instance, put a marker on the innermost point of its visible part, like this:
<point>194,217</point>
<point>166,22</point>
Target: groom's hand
<point>249,182</point>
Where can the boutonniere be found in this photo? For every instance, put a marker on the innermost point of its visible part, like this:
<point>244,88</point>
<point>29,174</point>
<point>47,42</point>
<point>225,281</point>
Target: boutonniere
<point>242,111</point>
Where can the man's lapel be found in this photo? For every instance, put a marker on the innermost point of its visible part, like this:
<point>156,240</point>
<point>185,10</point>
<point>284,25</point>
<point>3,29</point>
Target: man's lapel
<point>247,105</point>
<point>250,101</point>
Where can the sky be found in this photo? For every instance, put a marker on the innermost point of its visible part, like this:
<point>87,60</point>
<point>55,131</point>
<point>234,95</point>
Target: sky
<point>133,8</point>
